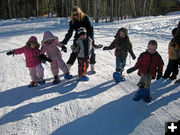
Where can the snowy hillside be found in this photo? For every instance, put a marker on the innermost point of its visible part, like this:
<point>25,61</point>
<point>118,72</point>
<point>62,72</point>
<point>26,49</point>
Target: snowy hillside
<point>97,107</point>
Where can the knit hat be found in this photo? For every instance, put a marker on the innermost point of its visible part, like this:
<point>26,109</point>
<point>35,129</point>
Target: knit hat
<point>48,36</point>
<point>81,31</point>
<point>153,42</point>
<point>32,40</point>
<point>124,30</point>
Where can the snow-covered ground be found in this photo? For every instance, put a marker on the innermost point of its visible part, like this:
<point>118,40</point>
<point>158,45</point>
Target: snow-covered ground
<point>97,107</point>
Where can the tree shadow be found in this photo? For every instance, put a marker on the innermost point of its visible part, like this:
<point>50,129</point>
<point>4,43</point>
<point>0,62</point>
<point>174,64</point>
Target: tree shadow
<point>25,111</point>
<point>119,117</point>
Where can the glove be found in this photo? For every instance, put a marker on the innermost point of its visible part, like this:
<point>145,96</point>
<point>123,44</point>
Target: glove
<point>10,52</point>
<point>44,58</point>
<point>64,48</point>
<point>134,57</point>
<point>105,48</point>
<point>130,70</point>
<point>99,46</point>
<point>159,75</point>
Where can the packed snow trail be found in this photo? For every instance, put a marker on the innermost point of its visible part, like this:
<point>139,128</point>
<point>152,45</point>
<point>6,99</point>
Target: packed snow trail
<point>96,107</point>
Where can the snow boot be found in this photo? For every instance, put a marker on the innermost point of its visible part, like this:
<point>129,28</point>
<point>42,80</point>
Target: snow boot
<point>178,81</point>
<point>148,98</point>
<point>32,84</point>
<point>68,76</point>
<point>56,80</point>
<point>41,81</point>
<point>172,77</point>
<point>83,78</point>
<point>92,69</point>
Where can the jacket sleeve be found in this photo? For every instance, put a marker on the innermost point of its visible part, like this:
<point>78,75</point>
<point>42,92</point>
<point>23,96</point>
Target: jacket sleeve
<point>90,29</point>
<point>139,61</point>
<point>19,50</point>
<point>112,45</point>
<point>59,44</point>
<point>69,34</point>
<point>43,49</point>
<point>131,51</point>
<point>160,65</point>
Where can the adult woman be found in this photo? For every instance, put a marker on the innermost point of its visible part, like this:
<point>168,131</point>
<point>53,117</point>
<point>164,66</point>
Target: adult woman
<point>79,19</point>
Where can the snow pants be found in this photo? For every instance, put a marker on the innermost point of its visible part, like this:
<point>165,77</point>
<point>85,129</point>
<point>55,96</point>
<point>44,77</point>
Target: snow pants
<point>36,73</point>
<point>83,64</point>
<point>172,67</point>
<point>120,64</point>
<point>58,63</point>
<point>145,80</point>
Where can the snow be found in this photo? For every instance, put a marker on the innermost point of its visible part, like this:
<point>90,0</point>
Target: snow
<point>97,107</point>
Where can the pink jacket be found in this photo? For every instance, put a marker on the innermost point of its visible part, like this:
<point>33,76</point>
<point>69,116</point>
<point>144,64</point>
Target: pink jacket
<point>52,49</point>
<point>32,56</point>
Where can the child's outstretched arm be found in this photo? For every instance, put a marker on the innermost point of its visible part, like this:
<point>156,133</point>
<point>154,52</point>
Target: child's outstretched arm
<point>132,69</point>
<point>16,51</point>
<point>64,48</point>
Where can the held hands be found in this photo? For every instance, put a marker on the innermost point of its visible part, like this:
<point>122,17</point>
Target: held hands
<point>64,49</point>
<point>105,48</point>
<point>130,70</point>
<point>159,75</point>
<point>10,53</point>
<point>44,58</point>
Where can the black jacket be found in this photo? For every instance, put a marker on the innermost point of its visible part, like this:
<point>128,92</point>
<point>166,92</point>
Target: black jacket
<point>77,24</point>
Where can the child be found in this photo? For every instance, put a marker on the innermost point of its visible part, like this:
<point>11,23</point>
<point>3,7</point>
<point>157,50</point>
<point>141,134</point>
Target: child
<point>83,46</point>
<point>123,46</point>
<point>148,63</point>
<point>33,62</point>
<point>50,45</point>
<point>172,66</point>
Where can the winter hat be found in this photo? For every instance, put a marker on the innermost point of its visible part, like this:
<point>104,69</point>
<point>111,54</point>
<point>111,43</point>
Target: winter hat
<point>124,30</point>
<point>48,36</point>
<point>81,31</point>
<point>153,42</point>
<point>32,40</point>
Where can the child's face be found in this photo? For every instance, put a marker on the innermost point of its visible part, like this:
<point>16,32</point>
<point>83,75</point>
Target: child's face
<point>121,34</point>
<point>151,49</point>
<point>83,36</point>
<point>33,46</point>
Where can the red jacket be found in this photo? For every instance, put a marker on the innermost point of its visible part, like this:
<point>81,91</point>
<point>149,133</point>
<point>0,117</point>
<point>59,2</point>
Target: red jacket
<point>149,63</point>
<point>32,56</point>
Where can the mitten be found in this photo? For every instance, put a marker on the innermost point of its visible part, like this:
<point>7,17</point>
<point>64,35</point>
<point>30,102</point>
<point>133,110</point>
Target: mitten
<point>64,48</point>
<point>130,70</point>
<point>44,58</point>
<point>159,75</point>
<point>10,52</point>
<point>105,48</point>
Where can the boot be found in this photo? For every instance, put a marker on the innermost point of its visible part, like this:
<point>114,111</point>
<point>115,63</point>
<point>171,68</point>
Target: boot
<point>32,84</point>
<point>41,81</point>
<point>178,81</point>
<point>68,76</point>
<point>92,69</point>
<point>56,80</point>
<point>172,77</point>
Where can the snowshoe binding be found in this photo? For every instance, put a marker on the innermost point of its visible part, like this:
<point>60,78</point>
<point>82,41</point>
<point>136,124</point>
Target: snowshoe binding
<point>32,84</point>
<point>83,78</point>
<point>118,77</point>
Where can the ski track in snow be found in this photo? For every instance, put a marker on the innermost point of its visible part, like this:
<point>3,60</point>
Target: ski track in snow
<point>97,107</point>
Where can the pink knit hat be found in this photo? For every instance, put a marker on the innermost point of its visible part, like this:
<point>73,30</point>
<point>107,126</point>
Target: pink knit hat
<point>48,36</point>
<point>33,40</point>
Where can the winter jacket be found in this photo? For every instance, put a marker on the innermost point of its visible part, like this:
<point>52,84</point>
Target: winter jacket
<point>76,25</point>
<point>149,63</point>
<point>122,47</point>
<point>83,47</point>
<point>173,49</point>
<point>52,49</point>
<point>31,56</point>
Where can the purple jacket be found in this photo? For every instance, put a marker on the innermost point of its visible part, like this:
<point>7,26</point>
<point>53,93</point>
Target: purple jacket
<point>31,55</point>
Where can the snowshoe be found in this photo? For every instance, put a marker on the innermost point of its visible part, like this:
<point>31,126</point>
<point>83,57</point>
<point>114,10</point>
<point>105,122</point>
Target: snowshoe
<point>83,78</point>
<point>141,94</point>
<point>68,76</point>
<point>32,84</point>
<point>118,77</point>
<point>56,80</point>
<point>41,81</point>
<point>147,99</point>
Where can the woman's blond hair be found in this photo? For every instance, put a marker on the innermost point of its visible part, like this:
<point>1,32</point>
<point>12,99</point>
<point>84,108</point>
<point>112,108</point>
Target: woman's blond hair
<point>79,11</point>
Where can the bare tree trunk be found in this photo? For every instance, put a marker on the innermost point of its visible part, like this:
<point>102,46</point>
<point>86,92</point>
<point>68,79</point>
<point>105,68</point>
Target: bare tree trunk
<point>134,8</point>
<point>37,8</point>
<point>9,9</point>
<point>144,8</point>
<point>97,11</point>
